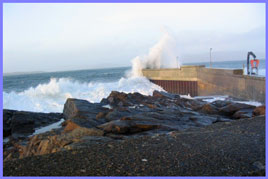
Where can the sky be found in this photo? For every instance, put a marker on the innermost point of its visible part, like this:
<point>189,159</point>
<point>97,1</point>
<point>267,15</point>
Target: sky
<point>61,37</point>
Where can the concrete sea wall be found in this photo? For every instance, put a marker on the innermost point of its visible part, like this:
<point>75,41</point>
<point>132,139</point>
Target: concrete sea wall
<point>201,81</point>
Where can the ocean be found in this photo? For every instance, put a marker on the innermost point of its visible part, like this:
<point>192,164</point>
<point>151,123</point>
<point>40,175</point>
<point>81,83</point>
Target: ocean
<point>47,92</point>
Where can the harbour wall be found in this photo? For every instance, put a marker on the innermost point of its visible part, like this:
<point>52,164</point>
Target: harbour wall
<point>201,81</point>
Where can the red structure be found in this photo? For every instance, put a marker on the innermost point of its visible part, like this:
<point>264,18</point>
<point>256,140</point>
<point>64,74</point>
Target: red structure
<point>178,87</point>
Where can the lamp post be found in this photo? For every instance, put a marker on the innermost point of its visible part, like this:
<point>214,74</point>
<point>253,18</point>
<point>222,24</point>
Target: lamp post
<point>177,61</point>
<point>210,57</point>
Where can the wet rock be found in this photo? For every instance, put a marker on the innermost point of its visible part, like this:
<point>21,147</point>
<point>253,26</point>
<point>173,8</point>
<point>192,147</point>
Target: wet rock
<point>260,110</point>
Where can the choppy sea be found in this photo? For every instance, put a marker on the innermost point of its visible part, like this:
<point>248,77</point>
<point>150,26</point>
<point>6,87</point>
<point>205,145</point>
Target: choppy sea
<point>47,92</point>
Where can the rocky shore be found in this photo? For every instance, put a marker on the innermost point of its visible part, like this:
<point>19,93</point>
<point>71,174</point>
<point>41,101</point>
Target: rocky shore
<point>133,134</point>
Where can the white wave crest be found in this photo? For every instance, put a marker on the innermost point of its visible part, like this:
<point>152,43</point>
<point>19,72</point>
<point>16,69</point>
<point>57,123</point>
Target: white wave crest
<point>50,97</point>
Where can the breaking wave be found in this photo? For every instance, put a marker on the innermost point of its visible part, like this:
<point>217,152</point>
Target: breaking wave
<point>51,96</point>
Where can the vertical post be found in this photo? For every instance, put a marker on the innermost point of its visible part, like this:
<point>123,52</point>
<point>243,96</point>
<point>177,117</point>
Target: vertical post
<point>177,62</point>
<point>210,58</point>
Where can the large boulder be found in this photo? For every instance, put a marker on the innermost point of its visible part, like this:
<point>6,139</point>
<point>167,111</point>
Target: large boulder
<point>77,108</point>
<point>81,113</point>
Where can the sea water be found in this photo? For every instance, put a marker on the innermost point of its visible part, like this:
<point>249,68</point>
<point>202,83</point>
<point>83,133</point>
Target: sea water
<point>47,92</point>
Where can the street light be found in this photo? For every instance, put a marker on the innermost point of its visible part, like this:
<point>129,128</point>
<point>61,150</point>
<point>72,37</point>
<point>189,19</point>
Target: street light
<point>177,61</point>
<point>210,57</point>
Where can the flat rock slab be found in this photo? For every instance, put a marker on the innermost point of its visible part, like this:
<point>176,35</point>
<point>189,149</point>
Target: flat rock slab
<point>224,149</point>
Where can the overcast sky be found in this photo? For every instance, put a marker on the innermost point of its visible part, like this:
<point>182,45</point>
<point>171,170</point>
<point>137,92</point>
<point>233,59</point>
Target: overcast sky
<point>57,37</point>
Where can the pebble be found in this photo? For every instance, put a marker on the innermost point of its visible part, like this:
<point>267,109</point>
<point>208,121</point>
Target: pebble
<point>110,146</point>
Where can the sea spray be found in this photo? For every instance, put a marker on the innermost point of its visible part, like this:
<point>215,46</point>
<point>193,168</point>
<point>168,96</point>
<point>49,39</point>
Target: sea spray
<point>162,55</point>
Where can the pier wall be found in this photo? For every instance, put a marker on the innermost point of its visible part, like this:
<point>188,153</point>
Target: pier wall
<point>201,81</point>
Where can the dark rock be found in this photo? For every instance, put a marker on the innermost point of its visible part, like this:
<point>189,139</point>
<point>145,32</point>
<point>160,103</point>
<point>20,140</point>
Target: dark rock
<point>22,123</point>
<point>21,126</point>
<point>7,115</point>
<point>132,115</point>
